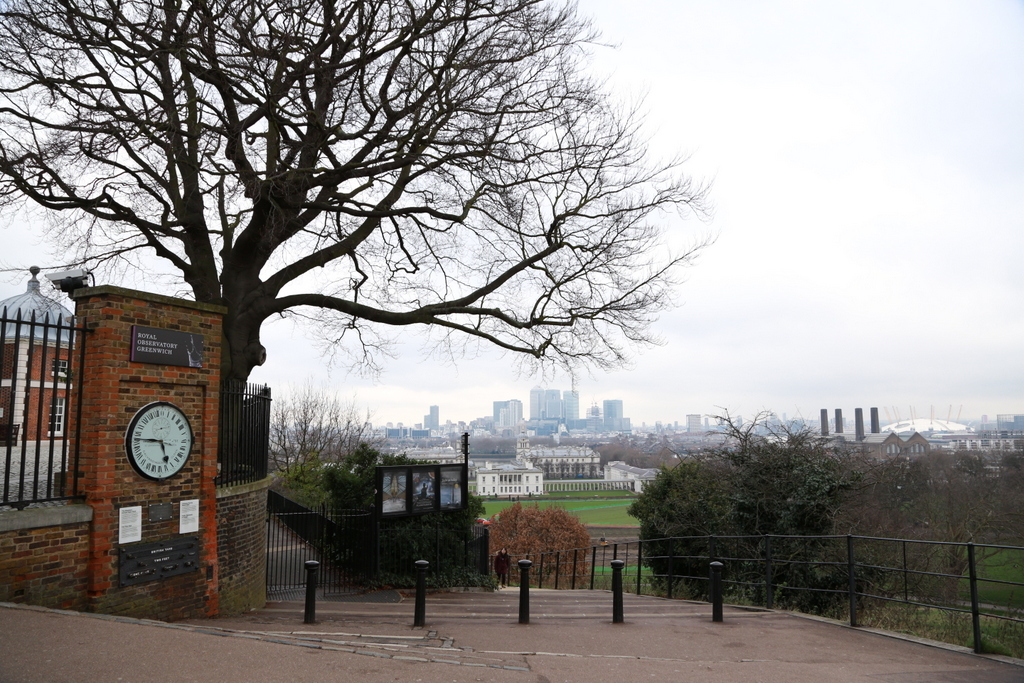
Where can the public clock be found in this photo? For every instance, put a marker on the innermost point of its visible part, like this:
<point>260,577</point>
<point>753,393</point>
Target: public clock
<point>158,441</point>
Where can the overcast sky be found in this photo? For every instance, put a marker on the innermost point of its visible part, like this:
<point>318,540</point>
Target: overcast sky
<point>867,161</point>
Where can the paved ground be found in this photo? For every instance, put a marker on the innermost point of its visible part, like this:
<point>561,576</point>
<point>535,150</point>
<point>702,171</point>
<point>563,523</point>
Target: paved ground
<point>477,637</point>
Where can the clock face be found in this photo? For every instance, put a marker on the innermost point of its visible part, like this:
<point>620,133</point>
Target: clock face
<point>158,440</point>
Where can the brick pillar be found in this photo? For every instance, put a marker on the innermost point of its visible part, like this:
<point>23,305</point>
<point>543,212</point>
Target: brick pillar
<point>113,389</point>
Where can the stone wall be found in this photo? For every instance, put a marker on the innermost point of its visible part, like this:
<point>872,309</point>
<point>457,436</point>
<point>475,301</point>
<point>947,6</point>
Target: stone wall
<point>242,546</point>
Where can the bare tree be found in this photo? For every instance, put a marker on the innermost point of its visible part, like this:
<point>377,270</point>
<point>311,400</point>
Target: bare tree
<point>370,163</point>
<point>312,427</point>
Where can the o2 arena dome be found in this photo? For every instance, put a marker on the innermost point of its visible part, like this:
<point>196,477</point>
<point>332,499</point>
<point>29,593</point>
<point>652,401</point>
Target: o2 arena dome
<point>927,426</point>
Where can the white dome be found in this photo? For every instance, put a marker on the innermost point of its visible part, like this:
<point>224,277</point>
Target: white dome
<point>34,304</point>
<point>925,425</point>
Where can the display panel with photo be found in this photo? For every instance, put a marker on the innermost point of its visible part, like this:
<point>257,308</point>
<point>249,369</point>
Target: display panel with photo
<point>394,499</point>
<point>452,488</point>
<point>424,489</point>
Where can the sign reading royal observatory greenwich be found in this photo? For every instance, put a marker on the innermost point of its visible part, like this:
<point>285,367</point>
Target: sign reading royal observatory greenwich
<point>166,347</point>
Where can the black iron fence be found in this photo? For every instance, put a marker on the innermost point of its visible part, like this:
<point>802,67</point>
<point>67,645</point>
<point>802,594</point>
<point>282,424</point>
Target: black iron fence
<point>453,552</point>
<point>355,551</point>
<point>244,446</point>
<point>840,576</point>
<point>340,540</point>
<point>40,408</point>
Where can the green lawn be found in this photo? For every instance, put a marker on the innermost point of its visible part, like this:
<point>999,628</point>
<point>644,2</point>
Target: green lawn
<point>1005,565</point>
<point>590,512</point>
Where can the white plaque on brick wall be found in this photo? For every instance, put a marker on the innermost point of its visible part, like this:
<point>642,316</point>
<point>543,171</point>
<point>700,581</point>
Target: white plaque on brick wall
<point>129,527</point>
<point>188,516</point>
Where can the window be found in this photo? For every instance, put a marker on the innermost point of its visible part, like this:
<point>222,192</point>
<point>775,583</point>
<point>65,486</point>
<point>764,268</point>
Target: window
<point>57,417</point>
<point>60,368</point>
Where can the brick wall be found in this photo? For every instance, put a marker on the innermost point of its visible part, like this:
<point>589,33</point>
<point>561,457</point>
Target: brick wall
<point>113,390</point>
<point>242,546</point>
<point>45,565</point>
<point>68,556</point>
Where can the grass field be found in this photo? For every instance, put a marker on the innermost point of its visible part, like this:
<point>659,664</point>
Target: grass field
<point>1004,565</point>
<point>591,512</point>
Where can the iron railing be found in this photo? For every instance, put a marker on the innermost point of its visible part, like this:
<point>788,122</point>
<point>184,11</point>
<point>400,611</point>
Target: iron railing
<point>340,540</point>
<point>40,408</point>
<point>244,447</point>
<point>354,548</point>
<point>833,575</point>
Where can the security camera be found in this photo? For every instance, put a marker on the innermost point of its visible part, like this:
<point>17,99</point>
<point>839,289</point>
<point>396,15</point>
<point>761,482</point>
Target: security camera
<point>69,280</point>
<point>76,273</point>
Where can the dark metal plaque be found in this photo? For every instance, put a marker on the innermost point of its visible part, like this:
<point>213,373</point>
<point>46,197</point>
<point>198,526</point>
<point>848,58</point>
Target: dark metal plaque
<point>166,347</point>
<point>142,562</point>
<point>160,512</point>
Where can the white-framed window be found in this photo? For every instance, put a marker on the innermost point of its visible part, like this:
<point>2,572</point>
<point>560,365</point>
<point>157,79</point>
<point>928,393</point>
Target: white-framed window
<point>60,368</point>
<point>57,417</point>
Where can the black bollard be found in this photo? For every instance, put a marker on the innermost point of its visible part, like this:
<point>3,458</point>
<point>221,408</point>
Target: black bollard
<point>420,619</point>
<point>617,566</point>
<point>524,591</point>
<point>311,569</point>
<point>716,591</point>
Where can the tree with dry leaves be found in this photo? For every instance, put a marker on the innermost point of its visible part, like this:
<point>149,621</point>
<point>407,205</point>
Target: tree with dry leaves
<point>530,531</point>
<point>369,164</point>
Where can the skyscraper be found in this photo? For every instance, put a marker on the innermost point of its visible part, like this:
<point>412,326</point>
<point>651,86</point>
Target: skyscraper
<point>613,415</point>
<point>552,405</point>
<point>571,405</point>
<point>693,423</point>
<point>536,403</point>
<point>508,413</point>
<point>433,420</point>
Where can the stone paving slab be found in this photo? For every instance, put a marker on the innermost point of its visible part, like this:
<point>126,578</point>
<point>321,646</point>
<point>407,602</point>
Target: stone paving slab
<point>476,637</point>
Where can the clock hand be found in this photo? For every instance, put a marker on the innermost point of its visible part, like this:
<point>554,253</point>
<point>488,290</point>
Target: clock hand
<point>149,440</point>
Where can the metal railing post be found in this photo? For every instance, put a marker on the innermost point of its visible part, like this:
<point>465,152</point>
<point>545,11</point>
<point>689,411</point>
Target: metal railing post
<point>420,618</point>
<point>972,572</point>
<point>769,591</point>
<point>574,551</point>
<point>716,591</point>
<point>671,558</point>
<point>851,569</point>
<point>558,565</point>
<point>593,565</point>
<point>524,591</point>
<point>617,591</point>
<point>311,569</point>
<point>639,563</point>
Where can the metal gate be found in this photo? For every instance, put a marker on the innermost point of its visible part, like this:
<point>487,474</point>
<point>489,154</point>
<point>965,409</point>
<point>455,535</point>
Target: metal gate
<point>342,541</point>
<point>41,363</point>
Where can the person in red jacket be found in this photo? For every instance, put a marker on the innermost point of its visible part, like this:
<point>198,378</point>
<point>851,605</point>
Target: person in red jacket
<point>501,564</point>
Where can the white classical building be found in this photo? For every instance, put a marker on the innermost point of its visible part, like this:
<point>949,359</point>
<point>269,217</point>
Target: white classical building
<point>560,462</point>
<point>637,476</point>
<point>509,479</point>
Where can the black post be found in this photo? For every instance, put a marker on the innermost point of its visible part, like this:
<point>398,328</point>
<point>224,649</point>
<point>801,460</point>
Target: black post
<point>769,590</point>
<point>558,564</point>
<point>485,553</point>
<point>906,594</point>
<point>617,591</point>
<point>671,557</point>
<point>639,563</point>
<point>716,591</point>
<point>311,568</point>
<point>851,568</point>
<point>524,591</point>
<point>540,572</point>
<point>972,572</point>
<point>420,618</point>
<point>593,565</point>
<point>574,568</point>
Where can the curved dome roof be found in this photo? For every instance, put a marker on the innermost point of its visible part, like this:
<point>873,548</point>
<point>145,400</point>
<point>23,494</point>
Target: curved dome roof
<point>33,303</point>
<point>924,425</point>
